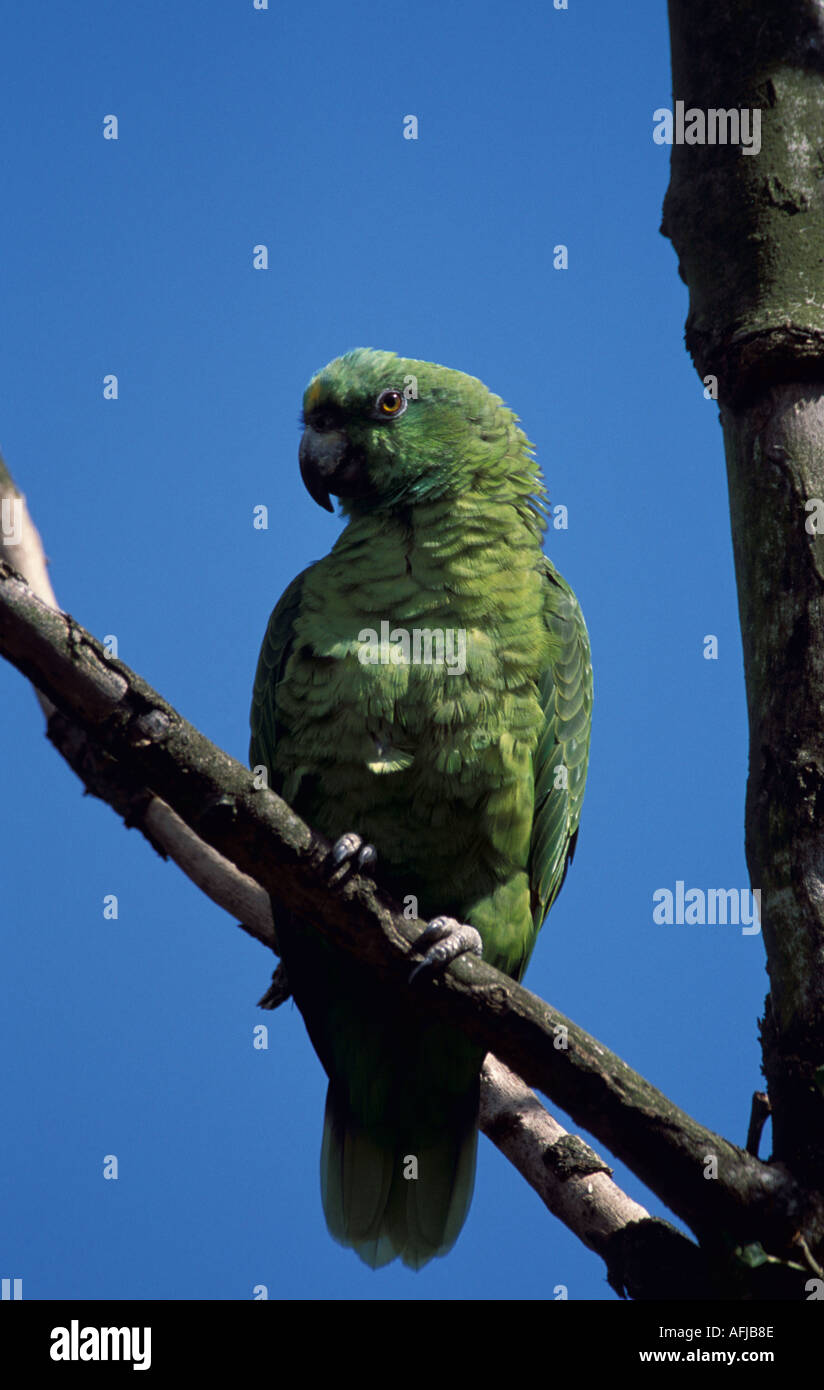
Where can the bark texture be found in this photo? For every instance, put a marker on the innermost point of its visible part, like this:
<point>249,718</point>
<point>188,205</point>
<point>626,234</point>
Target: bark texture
<point>747,1204</point>
<point>749,233</point>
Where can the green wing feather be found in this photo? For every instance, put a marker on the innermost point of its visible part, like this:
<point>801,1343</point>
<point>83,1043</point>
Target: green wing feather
<point>368,1203</point>
<point>274,654</point>
<point>563,752</point>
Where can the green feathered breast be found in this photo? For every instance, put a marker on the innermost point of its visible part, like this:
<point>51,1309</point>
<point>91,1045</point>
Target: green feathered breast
<point>427,685</point>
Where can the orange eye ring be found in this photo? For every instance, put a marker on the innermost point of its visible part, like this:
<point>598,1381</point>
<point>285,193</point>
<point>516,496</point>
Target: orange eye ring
<point>390,403</point>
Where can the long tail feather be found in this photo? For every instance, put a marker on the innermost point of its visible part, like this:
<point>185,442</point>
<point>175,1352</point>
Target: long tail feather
<point>386,1199</point>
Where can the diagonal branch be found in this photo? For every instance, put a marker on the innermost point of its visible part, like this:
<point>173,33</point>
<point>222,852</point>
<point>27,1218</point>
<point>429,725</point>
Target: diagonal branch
<point>646,1258</point>
<point>263,837</point>
<point>580,1193</point>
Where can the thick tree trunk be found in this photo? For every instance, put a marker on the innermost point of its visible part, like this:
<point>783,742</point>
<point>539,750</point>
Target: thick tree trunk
<point>749,233</point>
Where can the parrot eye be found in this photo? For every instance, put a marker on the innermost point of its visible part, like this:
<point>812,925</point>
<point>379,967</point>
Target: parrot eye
<point>390,403</point>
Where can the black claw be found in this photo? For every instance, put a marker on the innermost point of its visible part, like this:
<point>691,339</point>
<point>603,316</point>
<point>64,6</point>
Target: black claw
<point>278,991</point>
<point>426,966</point>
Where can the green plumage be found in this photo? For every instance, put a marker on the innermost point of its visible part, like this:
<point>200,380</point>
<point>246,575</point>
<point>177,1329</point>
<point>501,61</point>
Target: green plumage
<point>469,782</point>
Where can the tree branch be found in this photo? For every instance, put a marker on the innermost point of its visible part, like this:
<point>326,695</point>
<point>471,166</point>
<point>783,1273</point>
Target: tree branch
<point>254,829</point>
<point>645,1258</point>
<point>748,232</point>
<point>603,1217</point>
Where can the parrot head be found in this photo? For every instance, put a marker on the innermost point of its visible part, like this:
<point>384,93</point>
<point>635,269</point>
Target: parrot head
<point>382,432</point>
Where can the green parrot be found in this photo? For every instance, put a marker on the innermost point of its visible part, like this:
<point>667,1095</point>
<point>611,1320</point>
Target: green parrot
<point>423,698</point>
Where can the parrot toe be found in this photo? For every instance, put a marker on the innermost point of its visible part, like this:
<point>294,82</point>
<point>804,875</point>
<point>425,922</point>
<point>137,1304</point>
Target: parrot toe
<point>443,940</point>
<point>352,851</point>
<point>278,992</point>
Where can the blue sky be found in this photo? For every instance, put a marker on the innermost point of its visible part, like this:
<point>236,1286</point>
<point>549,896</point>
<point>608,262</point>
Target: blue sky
<point>284,127</point>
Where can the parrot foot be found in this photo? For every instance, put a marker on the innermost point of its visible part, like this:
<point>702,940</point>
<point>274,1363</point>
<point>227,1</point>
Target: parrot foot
<point>452,939</point>
<point>278,991</point>
<point>350,850</point>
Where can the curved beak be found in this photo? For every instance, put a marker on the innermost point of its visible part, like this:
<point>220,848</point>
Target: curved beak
<point>328,465</point>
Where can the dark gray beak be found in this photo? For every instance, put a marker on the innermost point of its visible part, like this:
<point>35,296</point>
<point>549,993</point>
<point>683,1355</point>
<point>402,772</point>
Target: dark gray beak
<point>329,465</point>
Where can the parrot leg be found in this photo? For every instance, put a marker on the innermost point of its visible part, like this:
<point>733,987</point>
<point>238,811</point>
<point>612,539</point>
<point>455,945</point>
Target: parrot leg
<point>278,991</point>
<point>350,850</point>
<point>451,938</point>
